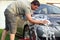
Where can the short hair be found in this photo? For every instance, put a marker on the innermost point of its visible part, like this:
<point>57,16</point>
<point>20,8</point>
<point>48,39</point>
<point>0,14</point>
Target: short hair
<point>35,2</point>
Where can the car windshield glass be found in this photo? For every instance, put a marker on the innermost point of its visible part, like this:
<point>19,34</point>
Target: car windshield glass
<point>42,9</point>
<point>48,9</point>
<point>55,9</point>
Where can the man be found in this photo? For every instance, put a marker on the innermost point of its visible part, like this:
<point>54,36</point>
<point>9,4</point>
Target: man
<point>14,11</point>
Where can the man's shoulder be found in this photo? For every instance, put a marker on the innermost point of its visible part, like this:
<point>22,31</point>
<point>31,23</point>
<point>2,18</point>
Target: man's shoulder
<point>24,2</point>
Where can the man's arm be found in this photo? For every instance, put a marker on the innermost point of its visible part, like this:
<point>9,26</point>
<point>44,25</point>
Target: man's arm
<point>29,18</point>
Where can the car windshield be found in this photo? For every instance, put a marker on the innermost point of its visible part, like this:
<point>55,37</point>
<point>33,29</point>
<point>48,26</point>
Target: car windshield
<point>55,9</point>
<point>48,9</point>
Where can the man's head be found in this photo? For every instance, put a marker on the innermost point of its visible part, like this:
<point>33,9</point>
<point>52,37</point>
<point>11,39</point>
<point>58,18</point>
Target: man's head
<point>35,5</point>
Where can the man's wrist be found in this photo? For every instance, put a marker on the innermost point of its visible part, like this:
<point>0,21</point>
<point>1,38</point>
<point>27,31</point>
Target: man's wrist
<point>41,22</point>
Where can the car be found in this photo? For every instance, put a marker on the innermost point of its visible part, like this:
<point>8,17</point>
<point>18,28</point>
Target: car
<point>53,14</point>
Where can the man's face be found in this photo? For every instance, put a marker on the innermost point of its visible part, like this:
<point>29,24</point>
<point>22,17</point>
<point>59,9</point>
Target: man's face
<point>34,7</point>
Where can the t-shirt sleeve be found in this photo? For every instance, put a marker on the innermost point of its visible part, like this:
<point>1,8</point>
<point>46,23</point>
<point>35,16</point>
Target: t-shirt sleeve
<point>27,8</point>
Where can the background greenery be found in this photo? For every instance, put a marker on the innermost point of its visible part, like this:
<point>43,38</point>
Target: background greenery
<point>7,37</point>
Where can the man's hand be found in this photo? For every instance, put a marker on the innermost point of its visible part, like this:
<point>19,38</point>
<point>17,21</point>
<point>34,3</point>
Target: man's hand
<point>45,22</point>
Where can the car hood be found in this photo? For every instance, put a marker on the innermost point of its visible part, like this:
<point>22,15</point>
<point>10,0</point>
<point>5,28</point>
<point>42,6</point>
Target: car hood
<point>54,18</point>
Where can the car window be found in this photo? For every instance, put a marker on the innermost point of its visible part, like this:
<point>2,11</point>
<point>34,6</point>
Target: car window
<point>42,9</point>
<point>48,9</point>
<point>55,9</point>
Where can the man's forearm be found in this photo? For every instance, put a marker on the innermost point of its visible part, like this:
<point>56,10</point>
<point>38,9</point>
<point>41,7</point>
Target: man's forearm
<point>29,18</point>
<point>36,21</point>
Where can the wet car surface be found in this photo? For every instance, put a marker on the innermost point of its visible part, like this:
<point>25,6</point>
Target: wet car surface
<point>53,15</point>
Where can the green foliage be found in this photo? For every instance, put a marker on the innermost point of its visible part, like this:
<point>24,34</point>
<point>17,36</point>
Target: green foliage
<point>0,33</point>
<point>7,37</point>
